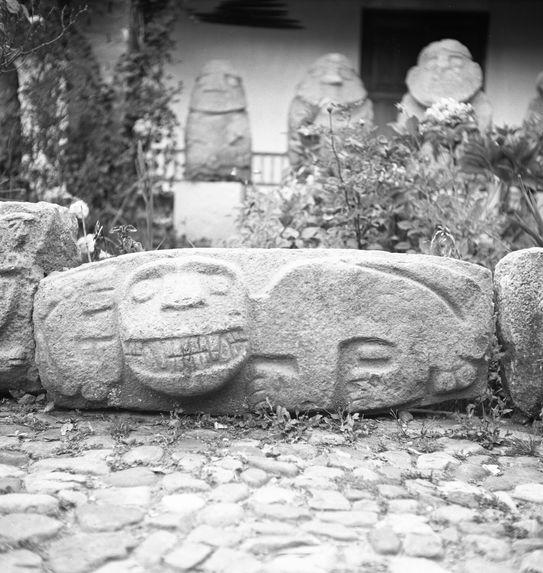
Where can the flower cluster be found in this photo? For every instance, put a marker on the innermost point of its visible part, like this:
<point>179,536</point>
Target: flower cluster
<point>449,112</point>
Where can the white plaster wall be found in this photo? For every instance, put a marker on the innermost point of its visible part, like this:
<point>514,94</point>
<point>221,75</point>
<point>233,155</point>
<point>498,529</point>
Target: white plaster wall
<point>515,57</point>
<point>271,62</point>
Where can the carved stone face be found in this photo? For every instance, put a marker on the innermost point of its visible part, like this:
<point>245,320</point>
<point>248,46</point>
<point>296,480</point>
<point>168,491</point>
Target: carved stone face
<point>218,89</point>
<point>444,69</point>
<point>183,326</point>
<point>332,77</point>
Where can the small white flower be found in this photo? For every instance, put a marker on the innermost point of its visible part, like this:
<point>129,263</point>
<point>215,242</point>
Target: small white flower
<point>80,209</point>
<point>86,244</point>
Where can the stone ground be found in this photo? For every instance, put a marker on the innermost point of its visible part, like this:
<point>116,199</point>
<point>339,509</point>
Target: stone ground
<point>109,492</point>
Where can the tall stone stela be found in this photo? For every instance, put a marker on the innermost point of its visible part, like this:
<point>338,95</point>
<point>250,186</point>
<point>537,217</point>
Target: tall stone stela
<point>226,330</point>
<point>330,81</point>
<point>445,69</point>
<point>534,113</point>
<point>218,134</point>
<point>35,240</point>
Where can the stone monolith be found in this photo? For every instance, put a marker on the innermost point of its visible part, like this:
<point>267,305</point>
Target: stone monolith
<point>534,113</point>
<point>218,134</point>
<point>331,83</point>
<point>227,330</point>
<point>519,298</point>
<point>445,70</point>
<point>35,239</point>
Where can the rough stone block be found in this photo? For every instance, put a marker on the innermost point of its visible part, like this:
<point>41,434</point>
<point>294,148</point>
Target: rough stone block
<point>519,298</point>
<point>35,239</point>
<point>223,330</point>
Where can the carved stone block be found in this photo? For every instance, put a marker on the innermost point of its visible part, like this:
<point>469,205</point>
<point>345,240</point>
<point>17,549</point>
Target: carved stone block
<point>518,283</point>
<point>226,330</point>
<point>35,239</point>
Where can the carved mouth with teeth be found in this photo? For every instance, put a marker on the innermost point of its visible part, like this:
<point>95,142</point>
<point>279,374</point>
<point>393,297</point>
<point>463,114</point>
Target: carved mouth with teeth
<point>187,365</point>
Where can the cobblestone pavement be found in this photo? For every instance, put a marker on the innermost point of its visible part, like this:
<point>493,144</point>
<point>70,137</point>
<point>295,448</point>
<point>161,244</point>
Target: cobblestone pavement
<point>128,493</point>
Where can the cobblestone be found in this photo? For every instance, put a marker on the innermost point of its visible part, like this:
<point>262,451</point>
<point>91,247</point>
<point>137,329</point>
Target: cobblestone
<point>92,498</point>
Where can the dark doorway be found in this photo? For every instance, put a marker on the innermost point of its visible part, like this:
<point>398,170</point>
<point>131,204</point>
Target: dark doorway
<point>392,40</point>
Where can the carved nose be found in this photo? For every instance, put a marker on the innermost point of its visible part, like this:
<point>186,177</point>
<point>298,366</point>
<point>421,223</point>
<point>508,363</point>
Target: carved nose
<point>180,297</point>
<point>332,79</point>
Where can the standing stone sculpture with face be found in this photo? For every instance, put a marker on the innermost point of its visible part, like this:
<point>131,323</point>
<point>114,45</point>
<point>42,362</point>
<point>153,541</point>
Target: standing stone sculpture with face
<point>332,79</point>
<point>445,69</point>
<point>218,137</point>
<point>534,113</point>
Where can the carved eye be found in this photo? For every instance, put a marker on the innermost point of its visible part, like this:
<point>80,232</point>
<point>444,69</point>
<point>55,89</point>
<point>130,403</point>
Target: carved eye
<point>219,285</point>
<point>456,61</point>
<point>143,291</point>
<point>232,81</point>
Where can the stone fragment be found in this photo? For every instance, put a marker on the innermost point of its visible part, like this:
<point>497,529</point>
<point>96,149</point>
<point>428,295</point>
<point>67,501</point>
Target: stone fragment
<point>518,283</point>
<point>254,477</point>
<point>53,482</point>
<point>132,477</point>
<point>84,551</point>
<point>12,458</point>
<point>10,485</point>
<point>138,495</point>
<point>181,481</point>
<point>187,556</point>
<point>121,566</point>
<point>445,70</point>
<point>403,506</point>
<point>101,517</point>
<point>92,462</point>
<point>28,527</point>
<point>183,503</point>
<point>333,530</point>
<point>7,470</point>
<point>423,545</point>
<point>276,543</point>
<point>331,78</point>
<point>529,492</point>
<point>351,518</point>
<point>144,455</point>
<point>416,565</point>
<point>272,466</point>
<point>453,513</point>
<point>28,503</point>
<point>230,492</point>
<point>153,547</point>
<point>217,134</point>
<point>225,330</point>
<point>492,548</point>
<point>436,461</point>
<point>280,511</point>
<point>384,541</point>
<point>477,565</point>
<point>226,560</point>
<point>20,561</point>
<point>188,462</point>
<point>221,514</point>
<point>328,500</point>
<point>532,563</point>
<point>273,494</point>
<point>35,240</point>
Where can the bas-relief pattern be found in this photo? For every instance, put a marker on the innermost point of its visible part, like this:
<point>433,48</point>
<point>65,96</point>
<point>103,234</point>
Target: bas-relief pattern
<point>218,135</point>
<point>445,69</point>
<point>321,334</point>
<point>31,236</point>
<point>332,79</point>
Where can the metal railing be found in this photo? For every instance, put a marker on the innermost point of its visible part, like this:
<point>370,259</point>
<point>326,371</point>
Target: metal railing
<point>267,168</point>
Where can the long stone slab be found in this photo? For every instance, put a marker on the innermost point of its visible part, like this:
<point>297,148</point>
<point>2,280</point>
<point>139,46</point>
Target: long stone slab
<point>518,283</point>
<point>35,239</point>
<point>225,330</point>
